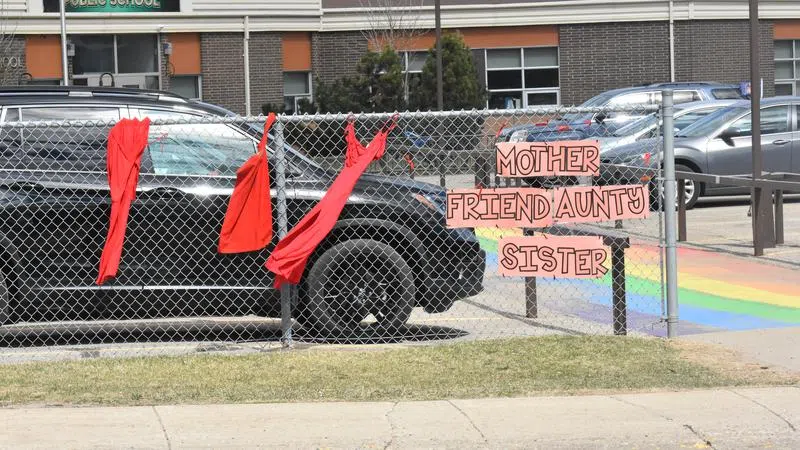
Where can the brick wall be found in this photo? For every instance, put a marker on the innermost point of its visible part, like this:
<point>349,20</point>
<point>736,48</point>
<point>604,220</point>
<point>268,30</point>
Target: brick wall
<point>598,57</point>
<point>334,55</point>
<point>479,60</point>
<point>9,76</point>
<point>266,70</point>
<point>719,50</point>
<point>164,69</point>
<point>223,70</point>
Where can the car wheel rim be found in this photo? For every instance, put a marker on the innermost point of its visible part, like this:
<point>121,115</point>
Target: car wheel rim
<point>354,300</point>
<point>688,192</point>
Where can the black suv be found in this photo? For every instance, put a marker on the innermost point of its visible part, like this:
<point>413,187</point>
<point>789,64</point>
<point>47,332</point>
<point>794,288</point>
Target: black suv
<point>389,252</point>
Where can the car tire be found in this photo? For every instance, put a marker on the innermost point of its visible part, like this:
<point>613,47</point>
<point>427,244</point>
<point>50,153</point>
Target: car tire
<point>354,279</point>
<point>692,188</point>
<point>691,194</point>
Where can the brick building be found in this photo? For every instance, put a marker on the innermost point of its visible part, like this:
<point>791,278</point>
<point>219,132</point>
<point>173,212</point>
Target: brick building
<point>527,52</point>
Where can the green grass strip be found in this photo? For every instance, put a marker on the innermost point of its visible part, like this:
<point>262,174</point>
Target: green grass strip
<point>493,368</point>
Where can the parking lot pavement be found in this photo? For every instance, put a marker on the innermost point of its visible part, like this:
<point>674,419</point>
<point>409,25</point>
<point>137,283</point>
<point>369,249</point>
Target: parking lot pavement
<point>721,224</point>
<point>723,418</point>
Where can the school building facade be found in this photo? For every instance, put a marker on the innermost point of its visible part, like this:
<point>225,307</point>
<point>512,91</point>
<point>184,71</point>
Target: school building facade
<point>527,52</point>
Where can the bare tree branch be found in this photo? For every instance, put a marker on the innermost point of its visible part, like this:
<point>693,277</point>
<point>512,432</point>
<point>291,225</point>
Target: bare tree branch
<point>392,22</point>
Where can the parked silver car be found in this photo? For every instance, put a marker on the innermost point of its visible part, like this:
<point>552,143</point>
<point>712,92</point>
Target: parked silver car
<point>719,144</point>
<point>649,126</point>
<point>588,125</point>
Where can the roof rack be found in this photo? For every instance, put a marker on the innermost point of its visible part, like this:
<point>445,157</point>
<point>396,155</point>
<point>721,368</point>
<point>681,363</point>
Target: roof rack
<point>684,83</point>
<point>93,91</point>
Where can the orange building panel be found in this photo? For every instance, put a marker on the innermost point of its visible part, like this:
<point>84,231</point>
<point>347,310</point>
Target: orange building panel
<point>787,29</point>
<point>494,37</point>
<point>296,51</point>
<point>43,55</point>
<point>185,57</point>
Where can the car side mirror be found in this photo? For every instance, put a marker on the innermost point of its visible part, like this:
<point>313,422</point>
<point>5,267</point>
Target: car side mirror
<point>728,134</point>
<point>600,117</point>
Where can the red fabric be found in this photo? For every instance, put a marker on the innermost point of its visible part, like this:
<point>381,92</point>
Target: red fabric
<point>248,221</point>
<point>288,260</point>
<point>126,143</point>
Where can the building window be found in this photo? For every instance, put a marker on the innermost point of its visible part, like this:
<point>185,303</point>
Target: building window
<point>130,59</point>
<point>44,82</point>
<point>787,67</point>
<point>522,77</point>
<point>296,86</point>
<point>413,62</point>
<point>188,86</point>
<point>93,54</point>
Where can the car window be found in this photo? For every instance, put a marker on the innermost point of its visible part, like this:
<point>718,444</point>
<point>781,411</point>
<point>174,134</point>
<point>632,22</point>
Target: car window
<point>726,93</point>
<point>195,148</point>
<point>684,97</point>
<point>712,122</point>
<point>74,147</point>
<point>691,117</point>
<point>773,120</point>
<point>630,99</point>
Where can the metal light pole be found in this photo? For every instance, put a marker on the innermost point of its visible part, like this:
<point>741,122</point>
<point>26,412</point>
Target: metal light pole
<point>439,81</point>
<point>667,112</point>
<point>64,68</point>
<point>761,204</point>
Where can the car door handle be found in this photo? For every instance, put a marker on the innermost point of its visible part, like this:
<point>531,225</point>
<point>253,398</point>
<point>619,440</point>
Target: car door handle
<point>780,142</point>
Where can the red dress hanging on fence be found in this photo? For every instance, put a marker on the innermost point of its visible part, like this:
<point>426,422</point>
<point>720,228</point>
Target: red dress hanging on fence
<point>247,225</point>
<point>288,260</point>
<point>126,143</point>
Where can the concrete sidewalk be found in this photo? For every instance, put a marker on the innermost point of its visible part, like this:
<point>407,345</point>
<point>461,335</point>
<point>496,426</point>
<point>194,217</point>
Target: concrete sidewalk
<point>779,347</point>
<point>735,418</point>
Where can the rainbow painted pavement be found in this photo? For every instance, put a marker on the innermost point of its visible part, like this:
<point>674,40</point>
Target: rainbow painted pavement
<point>717,292</point>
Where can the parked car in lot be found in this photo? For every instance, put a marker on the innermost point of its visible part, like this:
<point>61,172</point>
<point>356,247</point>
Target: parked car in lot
<point>600,123</point>
<point>718,144</point>
<point>650,126</point>
<point>389,252</point>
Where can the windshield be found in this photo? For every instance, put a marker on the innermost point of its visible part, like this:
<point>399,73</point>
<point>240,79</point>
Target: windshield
<point>681,121</point>
<point>689,118</point>
<point>711,122</point>
<point>642,124</point>
<point>257,129</point>
<point>597,100</point>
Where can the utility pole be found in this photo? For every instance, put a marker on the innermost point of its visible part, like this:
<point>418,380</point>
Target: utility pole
<point>439,81</point>
<point>63,18</point>
<point>761,199</point>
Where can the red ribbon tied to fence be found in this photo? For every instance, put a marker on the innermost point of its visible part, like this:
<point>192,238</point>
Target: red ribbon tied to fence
<point>288,260</point>
<point>126,144</point>
<point>247,225</point>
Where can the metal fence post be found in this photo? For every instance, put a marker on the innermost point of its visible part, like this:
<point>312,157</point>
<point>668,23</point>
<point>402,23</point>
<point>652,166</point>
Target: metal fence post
<point>669,214</point>
<point>531,303</point>
<point>283,225</point>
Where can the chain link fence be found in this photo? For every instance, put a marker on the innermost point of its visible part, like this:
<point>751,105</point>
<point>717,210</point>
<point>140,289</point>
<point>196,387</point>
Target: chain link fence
<point>390,270</point>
